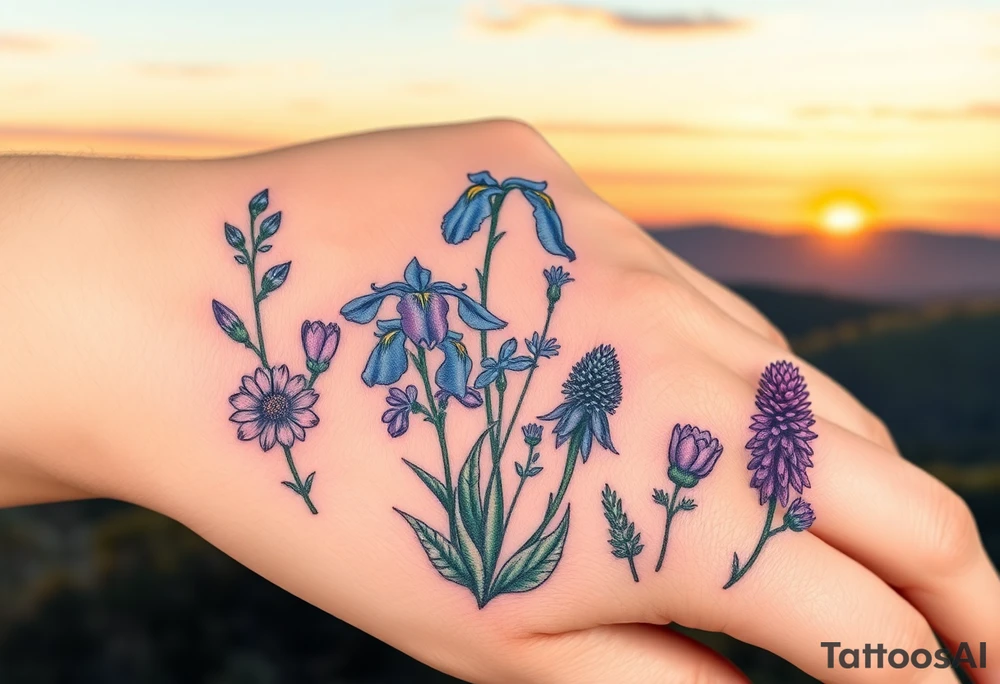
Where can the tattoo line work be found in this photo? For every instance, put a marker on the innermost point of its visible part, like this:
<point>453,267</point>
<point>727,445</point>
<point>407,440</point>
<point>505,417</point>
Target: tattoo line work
<point>478,518</point>
<point>691,456</point>
<point>625,541</point>
<point>273,406</point>
<point>780,453</point>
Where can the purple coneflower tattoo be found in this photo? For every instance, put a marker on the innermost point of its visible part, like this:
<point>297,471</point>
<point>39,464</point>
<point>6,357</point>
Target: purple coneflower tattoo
<point>273,406</point>
<point>780,453</point>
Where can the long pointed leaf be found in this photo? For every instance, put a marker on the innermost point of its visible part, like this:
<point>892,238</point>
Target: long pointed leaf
<point>471,556</point>
<point>442,554</point>
<point>433,484</point>
<point>470,505</point>
<point>493,524</point>
<point>530,567</point>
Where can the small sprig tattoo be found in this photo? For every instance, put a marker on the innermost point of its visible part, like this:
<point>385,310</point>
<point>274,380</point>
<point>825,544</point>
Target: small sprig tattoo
<point>691,456</point>
<point>625,541</point>
<point>780,453</point>
<point>272,406</point>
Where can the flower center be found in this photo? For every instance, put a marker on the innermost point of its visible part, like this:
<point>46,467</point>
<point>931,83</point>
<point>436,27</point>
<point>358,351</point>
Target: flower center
<point>275,407</point>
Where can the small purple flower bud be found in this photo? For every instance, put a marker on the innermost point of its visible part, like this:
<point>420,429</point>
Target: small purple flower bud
<point>424,318</point>
<point>532,434</point>
<point>692,455</point>
<point>556,278</point>
<point>799,516</point>
<point>320,341</point>
<point>230,322</point>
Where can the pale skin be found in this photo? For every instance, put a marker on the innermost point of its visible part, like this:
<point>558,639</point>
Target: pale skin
<point>116,378</point>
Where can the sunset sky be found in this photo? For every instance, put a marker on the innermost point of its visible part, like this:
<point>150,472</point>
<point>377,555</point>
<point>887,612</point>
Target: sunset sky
<point>769,114</point>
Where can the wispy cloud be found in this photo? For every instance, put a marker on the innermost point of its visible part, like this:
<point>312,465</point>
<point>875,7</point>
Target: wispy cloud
<point>977,110</point>
<point>516,17</point>
<point>34,43</point>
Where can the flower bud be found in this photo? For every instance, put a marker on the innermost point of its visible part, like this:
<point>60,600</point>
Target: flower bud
<point>319,341</point>
<point>532,434</point>
<point>799,516</point>
<point>230,322</point>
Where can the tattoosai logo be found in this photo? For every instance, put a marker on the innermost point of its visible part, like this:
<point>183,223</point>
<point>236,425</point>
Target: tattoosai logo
<point>898,658</point>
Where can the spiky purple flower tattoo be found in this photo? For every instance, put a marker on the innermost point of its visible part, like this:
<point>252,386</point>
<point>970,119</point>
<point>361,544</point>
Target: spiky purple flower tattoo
<point>779,454</point>
<point>780,445</point>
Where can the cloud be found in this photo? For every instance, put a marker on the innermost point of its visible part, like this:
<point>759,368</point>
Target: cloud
<point>976,110</point>
<point>515,17</point>
<point>32,43</point>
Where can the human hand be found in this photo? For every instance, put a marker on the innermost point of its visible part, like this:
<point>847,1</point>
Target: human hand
<point>891,554</point>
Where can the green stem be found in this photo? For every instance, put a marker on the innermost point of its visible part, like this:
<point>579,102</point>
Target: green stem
<point>251,264</point>
<point>556,500</point>
<point>671,510</point>
<point>312,379</point>
<point>766,534</point>
<point>298,481</point>
<point>484,282</point>
<point>631,564</point>
<point>438,421</point>
<point>517,493</point>
<point>527,380</point>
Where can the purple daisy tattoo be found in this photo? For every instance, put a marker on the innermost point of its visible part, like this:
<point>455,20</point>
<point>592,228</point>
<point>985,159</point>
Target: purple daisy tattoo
<point>779,454</point>
<point>274,408</point>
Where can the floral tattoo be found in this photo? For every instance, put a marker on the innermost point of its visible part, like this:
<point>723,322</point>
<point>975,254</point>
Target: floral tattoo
<point>273,406</point>
<point>625,541</point>
<point>779,454</point>
<point>423,335</point>
<point>692,455</point>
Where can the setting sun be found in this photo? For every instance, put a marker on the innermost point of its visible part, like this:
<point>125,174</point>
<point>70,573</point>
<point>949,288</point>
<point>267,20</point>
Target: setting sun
<point>843,217</point>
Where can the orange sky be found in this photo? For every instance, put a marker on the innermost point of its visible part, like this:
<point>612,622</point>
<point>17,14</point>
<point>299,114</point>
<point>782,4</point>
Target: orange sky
<point>744,115</point>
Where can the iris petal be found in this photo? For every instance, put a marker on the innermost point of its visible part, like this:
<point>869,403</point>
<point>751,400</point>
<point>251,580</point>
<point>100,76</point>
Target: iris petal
<point>453,374</point>
<point>524,184</point>
<point>548,225</point>
<point>483,178</point>
<point>416,276</point>
<point>364,308</point>
<point>388,361</point>
<point>469,213</point>
<point>470,311</point>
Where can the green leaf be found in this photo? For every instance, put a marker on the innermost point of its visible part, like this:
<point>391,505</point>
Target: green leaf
<point>269,227</point>
<point>308,484</point>
<point>240,259</point>
<point>534,471</point>
<point>470,504</point>
<point>264,248</point>
<point>687,505</point>
<point>518,469</point>
<point>259,203</point>
<point>530,567</point>
<point>440,552</point>
<point>493,523</point>
<point>661,497</point>
<point>471,556</point>
<point>294,487</point>
<point>736,564</point>
<point>435,485</point>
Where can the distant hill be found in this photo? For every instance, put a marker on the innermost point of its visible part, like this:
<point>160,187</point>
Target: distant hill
<point>890,266</point>
<point>799,313</point>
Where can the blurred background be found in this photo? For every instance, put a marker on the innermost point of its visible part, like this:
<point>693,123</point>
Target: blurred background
<point>838,163</point>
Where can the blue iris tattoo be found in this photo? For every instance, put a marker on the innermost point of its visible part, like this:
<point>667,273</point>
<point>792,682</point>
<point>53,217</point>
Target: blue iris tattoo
<point>467,551</point>
<point>423,320</point>
<point>477,203</point>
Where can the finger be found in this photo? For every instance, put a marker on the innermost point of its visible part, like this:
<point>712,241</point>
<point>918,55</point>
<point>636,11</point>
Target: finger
<point>624,653</point>
<point>910,529</point>
<point>830,400</point>
<point>730,302</point>
<point>801,593</point>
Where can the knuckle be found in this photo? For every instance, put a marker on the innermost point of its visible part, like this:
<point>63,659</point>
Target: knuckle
<point>950,531</point>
